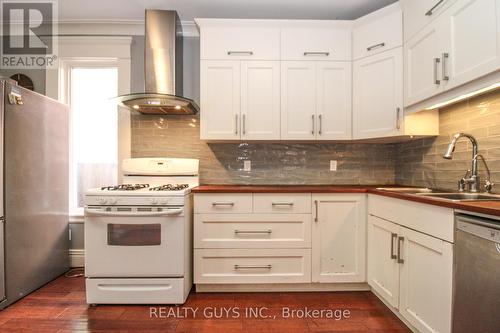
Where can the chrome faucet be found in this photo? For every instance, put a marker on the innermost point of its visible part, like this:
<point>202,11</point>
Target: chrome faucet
<point>471,180</point>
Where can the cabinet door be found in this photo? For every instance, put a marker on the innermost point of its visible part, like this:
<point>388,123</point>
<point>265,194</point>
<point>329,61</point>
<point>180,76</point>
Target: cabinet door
<point>235,41</point>
<point>333,100</point>
<point>298,100</point>
<point>379,35</point>
<point>377,102</point>
<point>423,64</point>
<point>260,100</point>
<point>220,100</point>
<point>419,13</point>
<point>425,281</point>
<point>339,238</point>
<point>316,43</point>
<point>383,269</point>
<point>473,45</point>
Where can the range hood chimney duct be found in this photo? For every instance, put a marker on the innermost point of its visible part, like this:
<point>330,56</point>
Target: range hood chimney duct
<point>162,68</point>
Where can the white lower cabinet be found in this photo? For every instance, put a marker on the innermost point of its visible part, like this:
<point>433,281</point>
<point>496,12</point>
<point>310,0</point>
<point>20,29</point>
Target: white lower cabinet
<point>274,238</point>
<point>339,238</point>
<point>383,269</point>
<point>411,270</point>
<point>425,295</point>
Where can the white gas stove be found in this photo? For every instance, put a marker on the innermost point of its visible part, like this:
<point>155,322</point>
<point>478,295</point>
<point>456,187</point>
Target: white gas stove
<point>138,234</point>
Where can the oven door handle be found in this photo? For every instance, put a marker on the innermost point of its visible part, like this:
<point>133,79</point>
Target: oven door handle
<point>169,212</point>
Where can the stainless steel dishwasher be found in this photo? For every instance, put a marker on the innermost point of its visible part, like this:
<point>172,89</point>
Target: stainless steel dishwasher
<point>476,301</point>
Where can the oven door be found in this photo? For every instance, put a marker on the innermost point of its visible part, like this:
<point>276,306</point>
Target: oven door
<point>134,241</point>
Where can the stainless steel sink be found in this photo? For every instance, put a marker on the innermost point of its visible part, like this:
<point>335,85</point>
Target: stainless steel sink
<point>410,190</point>
<point>458,196</point>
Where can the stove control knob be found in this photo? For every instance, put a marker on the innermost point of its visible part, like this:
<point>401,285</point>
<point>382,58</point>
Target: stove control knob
<point>164,202</point>
<point>103,201</point>
<point>112,201</point>
<point>154,201</point>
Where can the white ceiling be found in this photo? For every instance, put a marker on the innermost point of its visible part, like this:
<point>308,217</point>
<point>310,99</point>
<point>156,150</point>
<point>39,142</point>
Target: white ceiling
<point>132,10</point>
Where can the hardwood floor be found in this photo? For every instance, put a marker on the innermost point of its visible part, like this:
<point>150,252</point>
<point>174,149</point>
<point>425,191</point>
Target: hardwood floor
<point>60,307</point>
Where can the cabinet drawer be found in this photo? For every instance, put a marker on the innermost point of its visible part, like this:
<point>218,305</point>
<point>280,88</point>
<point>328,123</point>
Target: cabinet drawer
<point>378,36</point>
<point>316,43</point>
<point>139,291</point>
<point>432,220</point>
<point>252,231</point>
<point>243,43</point>
<point>223,203</point>
<point>256,266</point>
<point>282,203</point>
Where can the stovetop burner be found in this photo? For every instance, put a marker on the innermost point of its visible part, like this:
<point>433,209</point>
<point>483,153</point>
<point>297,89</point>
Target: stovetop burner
<point>169,187</point>
<point>124,187</point>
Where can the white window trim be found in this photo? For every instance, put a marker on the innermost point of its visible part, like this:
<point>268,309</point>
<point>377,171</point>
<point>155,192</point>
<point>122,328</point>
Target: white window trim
<point>98,51</point>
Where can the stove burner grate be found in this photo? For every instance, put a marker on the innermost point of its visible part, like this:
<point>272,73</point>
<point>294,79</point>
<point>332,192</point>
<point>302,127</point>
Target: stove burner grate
<point>124,187</point>
<point>169,187</point>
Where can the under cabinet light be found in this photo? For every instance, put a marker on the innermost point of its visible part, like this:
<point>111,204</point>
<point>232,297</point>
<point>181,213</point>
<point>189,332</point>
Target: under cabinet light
<point>464,96</point>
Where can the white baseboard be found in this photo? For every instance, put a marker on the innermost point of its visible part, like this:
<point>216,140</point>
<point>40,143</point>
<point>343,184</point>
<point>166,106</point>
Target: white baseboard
<point>76,258</point>
<point>206,288</point>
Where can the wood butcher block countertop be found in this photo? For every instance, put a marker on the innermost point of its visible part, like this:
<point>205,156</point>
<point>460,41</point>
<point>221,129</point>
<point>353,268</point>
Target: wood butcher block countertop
<point>483,207</point>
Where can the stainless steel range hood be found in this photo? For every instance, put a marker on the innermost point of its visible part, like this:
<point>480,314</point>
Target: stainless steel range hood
<point>163,68</point>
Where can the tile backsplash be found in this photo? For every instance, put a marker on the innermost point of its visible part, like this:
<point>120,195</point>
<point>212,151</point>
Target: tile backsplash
<point>272,163</point>
<point>418,162</point>
<point>421,163</point>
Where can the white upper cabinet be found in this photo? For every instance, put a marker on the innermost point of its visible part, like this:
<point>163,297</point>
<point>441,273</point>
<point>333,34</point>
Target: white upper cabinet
<point>339,238</point>
<point>315,100</point>
<point>378,95</point>
<point>333,100</point>
<point>320,40</point>
<point>472,48</point>
<point>459,45</point>
<point>423,64</point>
<point>220,96</point>
<point>378,32</point>
<point>419,13</point>
<point>240,100</point>
<point>238,39</point>
<point>298,100</point>
<point>260,100</point>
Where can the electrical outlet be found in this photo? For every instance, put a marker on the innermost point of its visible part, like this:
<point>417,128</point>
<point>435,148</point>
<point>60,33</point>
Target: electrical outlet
<point>247,165</point>
<point>333,165</point>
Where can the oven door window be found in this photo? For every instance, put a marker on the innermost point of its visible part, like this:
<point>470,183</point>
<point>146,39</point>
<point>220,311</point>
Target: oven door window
<point>134,234</point>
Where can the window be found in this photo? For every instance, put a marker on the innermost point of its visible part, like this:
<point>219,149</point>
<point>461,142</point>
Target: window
<point>92,70</point>
<point>93,130</point>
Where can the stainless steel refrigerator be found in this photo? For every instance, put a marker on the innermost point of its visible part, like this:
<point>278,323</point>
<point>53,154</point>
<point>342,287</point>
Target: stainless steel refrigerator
<point>34,191</point>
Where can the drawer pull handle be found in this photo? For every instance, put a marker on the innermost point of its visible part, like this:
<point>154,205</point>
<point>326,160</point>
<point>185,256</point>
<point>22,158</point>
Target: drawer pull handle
<point>400,241</point>
<point>431,11</point>
<point>252,266</point>
<point>436,64</point>
<point>398,124</point>
<point>393,237</point>
<point>376,46</point>
<point>266,231</point>
<point>239,52</point>
<point>222,204</point>
<point>326,54</point>
<point>316,210</point>
<point>282,204</point>
<point>445,57</point>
